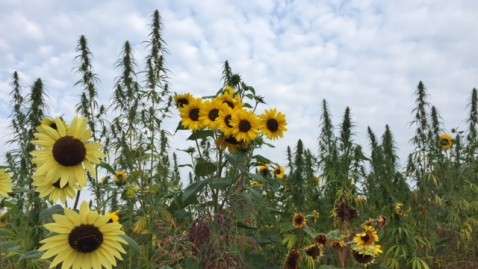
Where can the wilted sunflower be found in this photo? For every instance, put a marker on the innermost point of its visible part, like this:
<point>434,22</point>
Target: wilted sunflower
<point>299,220</point>
<point>446,141</point>
<point>279,172</point>
<point>315,251</point>
<point>273,124</point>
<point>83,240</point>
<point>321,239</point>
<point>183,99</point>
<point>5,183</point>
<point>363,259</point>
<point>66,152</point>
<point>209,113</point>
<point>245,125</point>
<point>293,260</point>
<point>53,190</point>
<point>368,238</point>
<point>190,114</point>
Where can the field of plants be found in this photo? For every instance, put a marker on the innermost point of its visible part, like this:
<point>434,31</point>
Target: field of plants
<point>344,206</point>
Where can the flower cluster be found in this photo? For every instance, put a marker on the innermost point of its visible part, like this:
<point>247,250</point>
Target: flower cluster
<point>364,245</point>
<point>237,124</point>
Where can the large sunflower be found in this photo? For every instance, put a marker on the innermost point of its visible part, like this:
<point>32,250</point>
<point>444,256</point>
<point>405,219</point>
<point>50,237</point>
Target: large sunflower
<point>209,113</point>
<point>446,141</point>
<point>66,152</point>
<point>53,190</point>
<point>245,125</point>
<point>273,124</point>
<point>368,238</point>
<point>5,183</point>
<point>190,114</point>
<point>83,240</point>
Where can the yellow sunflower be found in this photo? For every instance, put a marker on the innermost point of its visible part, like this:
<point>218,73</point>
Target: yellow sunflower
<point>231,144</point>
<point>264,170</point>
<point>83,240</point>
<point>5,183</point>
<point>224,120</point>
<point>190,114</point>
<point>273,124</point>
<point>366,239</point>
<point>120,177</point>
<point>245,125</point>
<point>209,113</point>
<point>52,123</point>
<point>279,172</point>
<point>183,99</point>
<point>53,190</point>
<point>228,98</point>
<point>66,152</point>
<point>446,141</point>
<point>113,216</point>
<point>299,220</point>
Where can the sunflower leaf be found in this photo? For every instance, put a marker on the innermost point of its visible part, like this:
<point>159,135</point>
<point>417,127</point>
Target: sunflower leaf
<point>48,212</point>
<point>131,243</point>
<point>201,134</point>
<point>108,167</point>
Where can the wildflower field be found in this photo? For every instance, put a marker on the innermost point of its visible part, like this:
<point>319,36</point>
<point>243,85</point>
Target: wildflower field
<point>228,206</point>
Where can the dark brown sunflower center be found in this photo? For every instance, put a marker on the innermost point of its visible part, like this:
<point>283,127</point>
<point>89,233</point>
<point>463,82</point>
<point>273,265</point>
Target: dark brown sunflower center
<point>213,114</point>
<point>85,238</point>
<point>365,238</point>
<point>69,151</point>
<point>53,125</point>
<point>313,251</point>
<point>227,120</point>
<point>444,142</point>
<point>58,186</point>
<point>299,220</point>
<point>194,114</point>
<point>232,140</point>
<point>272,125</point>
<point>244,126</point>
<point>278,172</point>
<point>229,103</point>
<point>182,102</point>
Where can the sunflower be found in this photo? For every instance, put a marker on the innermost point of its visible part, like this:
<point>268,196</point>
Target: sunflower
<point>231,144</point>
<point>66,152</point>
<point>245,125</point>
<point>273,124</point>
<point>209,113</point>
<point>366,239</point>
<point>256,184</point>
<point>5,183</point>
<point>264,170</point>
<point>51,122</point>
<point>113,216</point>
<point>53,190</point>
<point>299,220</point>
<point>229,99</point>
<point>224,120</point>
<point>279,172</point>
<point>120,177</point>
<point>446,141</point>
<point>321,239</point>
<point>183,100</point>
<point>314,251</point>
<point>190,114</point>
<point>363,259</point>
<point>293,260</point>
<point>83,240</point>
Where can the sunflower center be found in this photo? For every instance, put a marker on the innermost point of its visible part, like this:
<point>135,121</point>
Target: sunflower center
<point>365,238</point>
<point>229,103</point>
<point>183,102</point>
<point>445,142</point>
<point>69,151</point>
<point>194,114</point>
<point>213,114</point>
<point>272,125</point>
<point>227,120</point>
<point>85,238</point>
<point>244,126</point>
<point>232,140</point>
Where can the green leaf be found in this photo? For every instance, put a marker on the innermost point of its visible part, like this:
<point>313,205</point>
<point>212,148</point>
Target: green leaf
<point>48,212</point>
<point>108,167</point>
<point>180,127</point>
<point>131,243</point>
<point>204,168</point>
<point>221,183</point>
<point>191,191</point>
<point>236,160</point>
<point>201,134</point>
<point>31,255</point>
<point>257,177</point>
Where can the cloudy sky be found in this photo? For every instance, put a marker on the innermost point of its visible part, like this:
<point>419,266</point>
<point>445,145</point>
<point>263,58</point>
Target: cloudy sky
<point>368,55</point>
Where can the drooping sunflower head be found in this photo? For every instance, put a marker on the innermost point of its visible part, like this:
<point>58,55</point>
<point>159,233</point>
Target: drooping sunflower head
<point>66,152</point>
<point>5,183</point>
<point>209,113</point>
<point>293,260</point>
<point>363,259</point>
<point>245,125</point>
<point>190,114</point>
<point>279,172</point>
<point>120,178</point>
<point>182,100</point>
<point>299,220</point>
<point>53,189</point>
<point>321,239</point>
<point>231,144</point>
<point>315,251</point>
<point>446,141</point>
<point>84,239</point>
<point>344,212</point>
<point>273,124</point>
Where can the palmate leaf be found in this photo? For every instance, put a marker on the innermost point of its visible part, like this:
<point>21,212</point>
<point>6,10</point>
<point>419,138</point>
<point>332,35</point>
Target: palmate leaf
<point>289,240</point>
